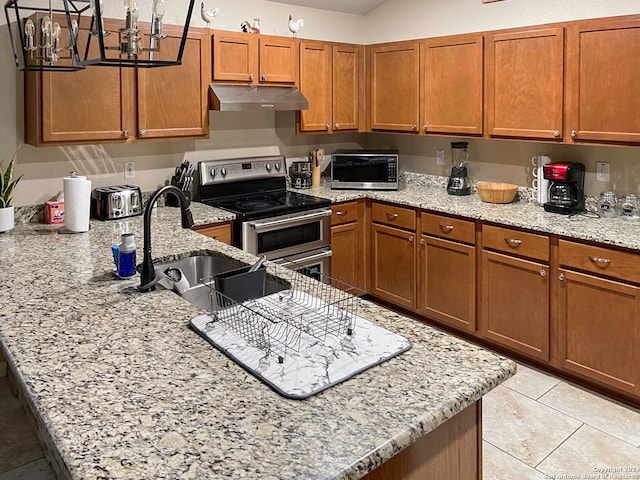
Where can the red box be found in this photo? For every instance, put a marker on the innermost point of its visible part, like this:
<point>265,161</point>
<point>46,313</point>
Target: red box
<point>54,212</point>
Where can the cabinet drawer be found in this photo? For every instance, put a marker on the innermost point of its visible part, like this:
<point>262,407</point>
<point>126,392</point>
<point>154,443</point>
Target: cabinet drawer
<point>449,228</point>
<point>603,261</point>
<point>344,213</point>
<point>515,242</point>
<point>221,232</point>
<point>393,215</point>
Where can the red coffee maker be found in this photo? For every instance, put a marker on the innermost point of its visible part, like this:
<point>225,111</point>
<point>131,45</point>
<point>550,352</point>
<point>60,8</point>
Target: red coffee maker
<point>566,187</point>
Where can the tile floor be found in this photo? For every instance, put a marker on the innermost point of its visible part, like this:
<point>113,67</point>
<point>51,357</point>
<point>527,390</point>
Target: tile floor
<point>535,427</point>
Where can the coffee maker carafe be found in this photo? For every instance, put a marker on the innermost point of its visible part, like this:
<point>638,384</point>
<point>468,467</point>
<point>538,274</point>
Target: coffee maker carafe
<point>566,188</point>
<point>458,183</point>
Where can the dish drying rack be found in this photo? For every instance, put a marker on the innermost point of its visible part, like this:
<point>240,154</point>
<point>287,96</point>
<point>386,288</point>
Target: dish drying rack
<point>303,311</point>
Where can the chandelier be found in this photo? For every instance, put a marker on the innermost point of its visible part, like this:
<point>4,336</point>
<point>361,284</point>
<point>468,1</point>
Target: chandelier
<point>126,43</point>
<point>46,39</point>
<point>68,35</point>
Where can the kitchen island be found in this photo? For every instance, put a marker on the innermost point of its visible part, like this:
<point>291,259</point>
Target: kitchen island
<point>121,388</point>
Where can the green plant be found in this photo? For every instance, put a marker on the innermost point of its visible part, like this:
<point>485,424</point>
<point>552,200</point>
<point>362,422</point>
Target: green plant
<point>7,183</point>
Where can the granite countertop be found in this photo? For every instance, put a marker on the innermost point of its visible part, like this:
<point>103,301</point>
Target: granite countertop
<point>123,389</point>
<point>429,192</point>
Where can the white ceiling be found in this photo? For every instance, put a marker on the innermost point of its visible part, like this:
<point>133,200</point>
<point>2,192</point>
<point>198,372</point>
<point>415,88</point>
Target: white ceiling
<point>358,7</point>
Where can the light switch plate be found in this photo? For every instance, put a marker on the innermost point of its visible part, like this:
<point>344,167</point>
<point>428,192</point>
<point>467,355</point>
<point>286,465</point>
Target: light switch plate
<point>602,172</point>
<point>439,156</point>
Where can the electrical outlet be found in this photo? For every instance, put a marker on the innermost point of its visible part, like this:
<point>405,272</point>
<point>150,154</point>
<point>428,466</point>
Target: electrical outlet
<point>129,170</point>
<point>602,172</point>
<point>439,156</point>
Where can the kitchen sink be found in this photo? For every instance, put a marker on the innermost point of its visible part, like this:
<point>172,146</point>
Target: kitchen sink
<point>200,269</point>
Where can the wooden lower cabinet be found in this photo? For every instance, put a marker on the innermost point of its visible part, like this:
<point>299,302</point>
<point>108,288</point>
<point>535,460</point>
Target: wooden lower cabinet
<point>453,451</point>
<point>220,232</point>
<point>448,282</point>
<point>515,304</point>
<point>344,248</point>
<point>599,330</point>
<point>393,265</point>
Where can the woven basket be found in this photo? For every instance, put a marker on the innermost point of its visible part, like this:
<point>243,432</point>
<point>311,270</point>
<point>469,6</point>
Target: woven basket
<point>494,192</point>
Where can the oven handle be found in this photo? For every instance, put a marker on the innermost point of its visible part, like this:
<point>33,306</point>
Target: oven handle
<point>284,263</point>
<point>290,221</point>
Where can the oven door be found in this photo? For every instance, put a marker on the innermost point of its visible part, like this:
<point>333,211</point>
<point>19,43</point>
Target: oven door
<point>286,235</point>
<point>315,264</point>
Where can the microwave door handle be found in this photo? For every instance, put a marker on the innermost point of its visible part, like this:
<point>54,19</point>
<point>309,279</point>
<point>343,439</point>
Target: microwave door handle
<point>310,258</point>
<point>259,226</point>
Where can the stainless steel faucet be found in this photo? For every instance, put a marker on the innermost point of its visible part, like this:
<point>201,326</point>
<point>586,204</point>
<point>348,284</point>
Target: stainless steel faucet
<point>148,274</point>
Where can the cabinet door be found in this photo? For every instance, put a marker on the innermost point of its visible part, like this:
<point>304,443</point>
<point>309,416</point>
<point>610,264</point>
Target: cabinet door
<point>344,253</point>
<point>172,101</point>
<point>346,84</point>
<point>515,304</point>
<point>393,265</point>
<point>448,282</point>
<point>524,84</point>
<point>90,105</point>
<point>278,60</point>
<point>315,84</point>
<point>452,84</point>
<point>599,330</point>
<point>602,82</point>
<point>235,57</point>
<point>395,87</point>
<point>221,233</point>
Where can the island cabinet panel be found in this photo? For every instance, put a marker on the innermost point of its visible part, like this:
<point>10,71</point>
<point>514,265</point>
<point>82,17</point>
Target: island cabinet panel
<point>452,85</point>
<point>240,57</point>
<point>347,243</point>
<point>172,101</point>
<point>91,105</point>
<point>453,451</point>
<point>602,78</point>
<point>395,86</point>
<point>220,232</point>
<point>524,83</point>
<point>514,308</point>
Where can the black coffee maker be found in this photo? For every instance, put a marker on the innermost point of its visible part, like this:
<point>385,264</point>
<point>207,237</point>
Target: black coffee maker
<point>566,187</point>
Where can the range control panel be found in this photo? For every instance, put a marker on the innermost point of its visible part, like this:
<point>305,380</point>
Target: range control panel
<point>220,171</point>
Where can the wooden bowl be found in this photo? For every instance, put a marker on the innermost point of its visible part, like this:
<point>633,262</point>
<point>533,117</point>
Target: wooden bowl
<point>494,192</point>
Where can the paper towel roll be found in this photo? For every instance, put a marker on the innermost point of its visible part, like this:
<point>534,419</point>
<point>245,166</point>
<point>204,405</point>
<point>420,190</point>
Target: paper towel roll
<point>77,203</point>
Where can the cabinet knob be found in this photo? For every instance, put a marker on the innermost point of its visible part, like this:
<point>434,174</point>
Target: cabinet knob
<point>422,242</point>
<point>574,134</point>
<point>446,228</point>
<point>410,238</point>
<point>125,134</point>
<point>424,127</point>
<point>600,262</point>
<point>142,132</point>
<point>263,77</point>
<point>251,77</point>
<point>392,216</point>
<point>556,133</point>
<point>340,212</point>
<point>414,127</point>
<point>543,273</point>
<point>326,126</point>
<point>561,276</point>
<point>337,126</point>
<point>513,242</point>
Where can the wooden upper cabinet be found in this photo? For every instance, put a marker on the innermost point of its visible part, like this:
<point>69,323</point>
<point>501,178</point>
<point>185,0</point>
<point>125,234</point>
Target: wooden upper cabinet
<point>395,86</point>
<point>88,106</point>
<point>172,101</point>
<point>315,84</point>
<point>603,74</point>
<point>254,59</point>
<point>278,60</point>
<point>346,61</point>
<point>524,83</point>
<point>452,85</point>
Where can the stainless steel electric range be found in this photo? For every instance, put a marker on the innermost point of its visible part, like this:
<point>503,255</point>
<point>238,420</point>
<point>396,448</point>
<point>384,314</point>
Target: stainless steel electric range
<point>290,228</point>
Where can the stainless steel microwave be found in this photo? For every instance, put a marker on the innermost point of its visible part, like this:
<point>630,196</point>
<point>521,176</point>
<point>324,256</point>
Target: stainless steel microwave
<point>364,170</point>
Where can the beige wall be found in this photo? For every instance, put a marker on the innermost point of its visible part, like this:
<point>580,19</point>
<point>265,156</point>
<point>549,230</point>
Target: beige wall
<point>43,168</point>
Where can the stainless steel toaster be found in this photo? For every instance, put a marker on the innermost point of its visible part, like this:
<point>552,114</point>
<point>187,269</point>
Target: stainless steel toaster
<point>119,201</point>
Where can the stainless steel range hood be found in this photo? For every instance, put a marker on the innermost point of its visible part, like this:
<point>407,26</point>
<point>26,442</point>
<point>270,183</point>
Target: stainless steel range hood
<point>236,98</point>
